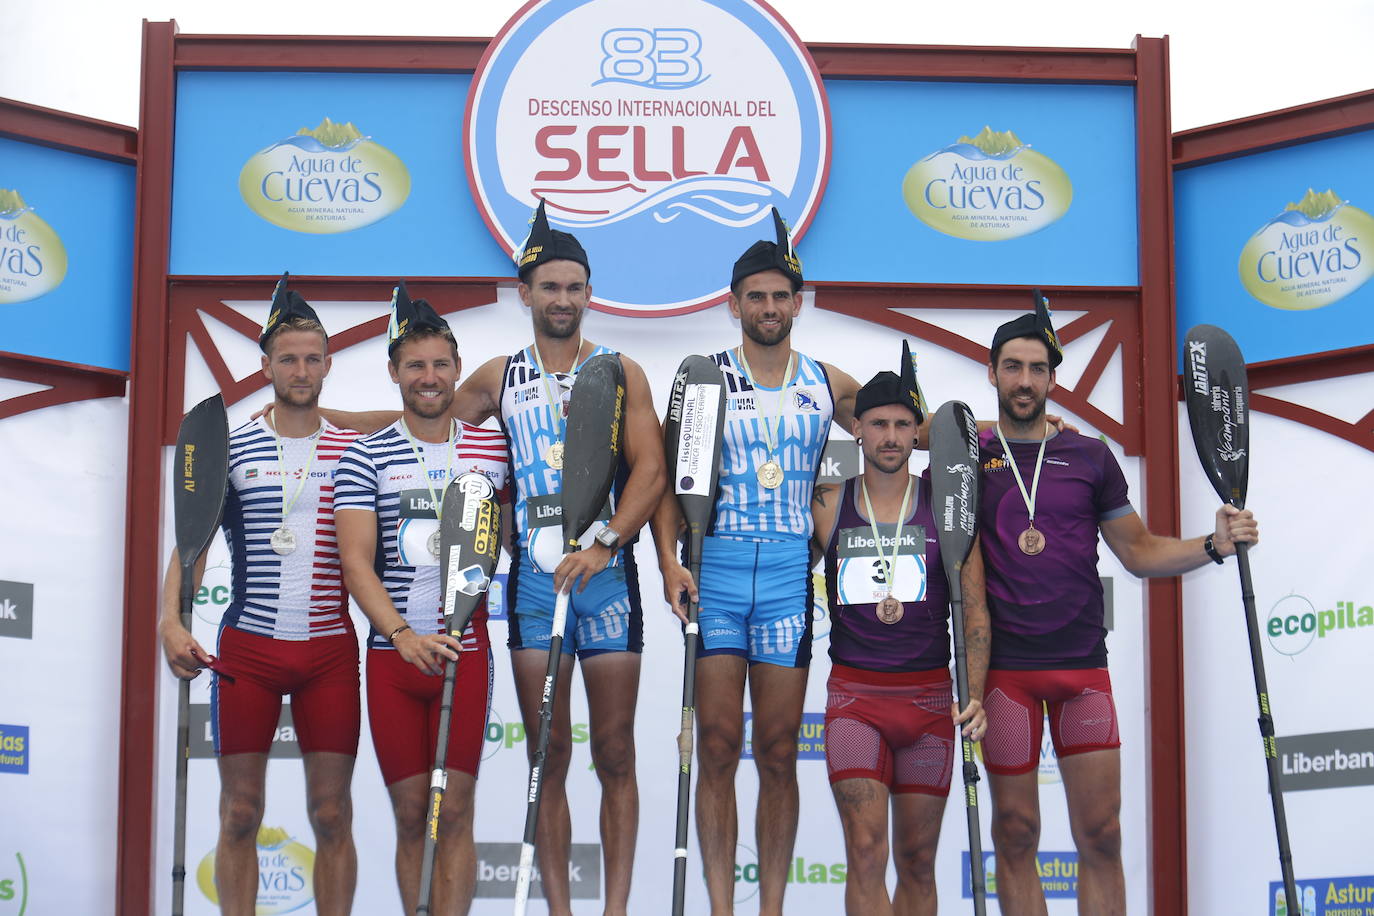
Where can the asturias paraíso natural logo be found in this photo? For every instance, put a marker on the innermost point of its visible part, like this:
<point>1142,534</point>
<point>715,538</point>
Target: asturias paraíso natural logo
<point>32,258</point>
<point>1312,254</point>
<point>330,179</point>
<point>987,188</point>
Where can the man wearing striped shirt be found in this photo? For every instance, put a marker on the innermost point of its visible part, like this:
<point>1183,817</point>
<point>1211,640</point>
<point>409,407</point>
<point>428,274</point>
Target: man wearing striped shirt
<point>287,630</point>
<point>390,495</point>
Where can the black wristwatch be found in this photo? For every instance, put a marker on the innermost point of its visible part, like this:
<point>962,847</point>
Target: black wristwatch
<point>608,538</point>
<point>1211,549</point>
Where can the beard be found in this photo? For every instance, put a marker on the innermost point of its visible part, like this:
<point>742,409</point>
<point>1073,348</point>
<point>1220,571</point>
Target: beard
<point>556,328</point>
<point>1021,416</point>
<point>885,461</point>
<point>428,408</point>
<point>767,338</point>
<point>296,397</point>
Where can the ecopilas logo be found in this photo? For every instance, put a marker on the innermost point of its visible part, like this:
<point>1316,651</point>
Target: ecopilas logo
<point>33,260</point>
<point>1310,255</point>
<point>801,871</point>
<point>660,134</point>
<point>1295,622</point>
<point>285,873</point>
<point>326,180</point>
<point>987,188</point>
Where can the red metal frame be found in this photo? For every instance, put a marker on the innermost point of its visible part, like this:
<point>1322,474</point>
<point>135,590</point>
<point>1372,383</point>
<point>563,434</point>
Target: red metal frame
<point>67,382</point>
<point>165,311</point>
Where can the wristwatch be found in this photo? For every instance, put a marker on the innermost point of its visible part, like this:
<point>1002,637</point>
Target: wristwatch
<point>1211,549</point>
<point>607,538</point>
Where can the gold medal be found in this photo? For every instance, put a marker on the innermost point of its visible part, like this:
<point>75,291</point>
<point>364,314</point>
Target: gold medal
<point>283,541</point>
<point>770,474</point>
<point>553,456</point>
<point>890,610</point>
<point>1031,541</point>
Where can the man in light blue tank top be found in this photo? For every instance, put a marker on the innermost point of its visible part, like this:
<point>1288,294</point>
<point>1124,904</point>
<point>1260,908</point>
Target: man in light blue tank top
<point>755,580</point>
<point>528,392</point>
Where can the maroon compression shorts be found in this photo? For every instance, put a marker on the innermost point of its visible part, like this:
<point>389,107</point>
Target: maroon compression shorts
<point>1081,712</point>
<point>894,727</point>
<point>253,673</point>
<point>403,711</point>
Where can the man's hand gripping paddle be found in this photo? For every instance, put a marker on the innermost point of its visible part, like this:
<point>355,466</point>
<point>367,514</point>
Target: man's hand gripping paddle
<point>954,494</point>
<point>1218,397</point>
<point>692,440</point>
<point>469,543</point>
<point>591,455</point>
<point>200,470</point>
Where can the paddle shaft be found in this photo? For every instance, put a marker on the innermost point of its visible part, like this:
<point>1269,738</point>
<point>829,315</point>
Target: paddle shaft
<point>187,596</point>
<point>686,738</point>
<point>1266,725</point>
<point>975,836</point>
<point>438,783</point>
<point>541,751</point>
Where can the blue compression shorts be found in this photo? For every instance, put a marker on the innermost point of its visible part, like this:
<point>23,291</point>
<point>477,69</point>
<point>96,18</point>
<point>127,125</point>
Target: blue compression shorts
<point>756,600</point>
<point>606,617</point>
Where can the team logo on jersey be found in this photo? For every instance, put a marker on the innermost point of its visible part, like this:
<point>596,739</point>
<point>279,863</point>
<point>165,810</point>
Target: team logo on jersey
<point>1311,254</point>
<point>33,260</point>
<point>805,400</point>
<point>326,180</point>
<point>987,188</point>
<point>648,129</point>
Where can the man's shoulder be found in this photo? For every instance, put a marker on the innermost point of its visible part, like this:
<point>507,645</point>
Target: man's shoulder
<point>372,444</point>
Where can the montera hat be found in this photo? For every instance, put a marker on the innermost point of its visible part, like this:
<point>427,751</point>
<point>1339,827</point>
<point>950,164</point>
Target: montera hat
<point>408,316</point>
<point>776,255</point>
<point>286,304</point>
<point>547,244</point>
<point>1036,325</point>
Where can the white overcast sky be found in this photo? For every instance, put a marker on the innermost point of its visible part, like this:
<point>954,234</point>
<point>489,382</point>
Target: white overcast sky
<point>1230,59</point>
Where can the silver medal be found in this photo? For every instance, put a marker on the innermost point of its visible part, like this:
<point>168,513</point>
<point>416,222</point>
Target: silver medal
<point>283,541</point>
<point>434,545</point>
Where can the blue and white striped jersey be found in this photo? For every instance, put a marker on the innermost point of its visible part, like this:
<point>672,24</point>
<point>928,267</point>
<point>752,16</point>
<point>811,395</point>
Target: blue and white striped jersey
<point>300,595</point>
<point>745,508</point>
<point>381,474</point>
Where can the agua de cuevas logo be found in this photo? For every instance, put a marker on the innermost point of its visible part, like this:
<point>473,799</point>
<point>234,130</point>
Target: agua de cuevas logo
<point>326,180</point>
<point>33,260</point>
<point>987,188</point>
<point>1313,253</point>
<point>285,873</point>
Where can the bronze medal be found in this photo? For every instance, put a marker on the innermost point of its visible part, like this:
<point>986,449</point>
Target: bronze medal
<point>1031,541</point>
<point>770,474</point>
<point>890,610</point>
<point>553,456</point>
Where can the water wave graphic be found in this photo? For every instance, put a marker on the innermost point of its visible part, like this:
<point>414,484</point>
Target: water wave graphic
<point>733,202</point>
<point>1297,219</point>
<point>969,151</point>
<point>311,145</point>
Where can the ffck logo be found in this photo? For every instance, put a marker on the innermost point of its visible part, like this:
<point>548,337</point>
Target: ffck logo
<point>16,610</point>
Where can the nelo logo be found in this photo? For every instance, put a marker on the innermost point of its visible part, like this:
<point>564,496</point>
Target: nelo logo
<point>1312,254</point>
<point>33,260</point>
<point>660,134</point>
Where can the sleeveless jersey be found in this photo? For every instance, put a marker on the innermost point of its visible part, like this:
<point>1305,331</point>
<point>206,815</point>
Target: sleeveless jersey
<point>300,595</point>
<point>745,508</point>
<point>1047,610</point>
<point>380,473</point>
<point>854,585</point>
<point>528,421</point>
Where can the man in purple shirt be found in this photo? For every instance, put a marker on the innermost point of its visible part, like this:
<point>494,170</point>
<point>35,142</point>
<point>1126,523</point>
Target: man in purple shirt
<point>1046,495</point>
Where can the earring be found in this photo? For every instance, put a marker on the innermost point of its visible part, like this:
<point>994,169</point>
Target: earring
<point>858,440</point>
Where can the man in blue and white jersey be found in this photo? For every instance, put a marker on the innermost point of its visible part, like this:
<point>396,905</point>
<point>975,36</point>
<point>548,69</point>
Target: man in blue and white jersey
<point>287,630</point>
<point>528,392</point>
<point>755,593</point>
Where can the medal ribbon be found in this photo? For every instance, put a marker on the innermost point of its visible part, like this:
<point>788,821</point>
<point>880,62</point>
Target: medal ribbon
<point>1021,484</point>
<point>288,505</point>
<point>889,566</point>
<point>420,457</point>
<point>555,406</point>
<point>771,425</point>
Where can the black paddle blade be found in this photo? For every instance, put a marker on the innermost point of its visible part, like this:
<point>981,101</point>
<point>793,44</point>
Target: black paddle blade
<point>469,542</point>
<point>692,439</point>
<point>954,483</point>
<point>200,471</point>
<point>1218,398</point>
<point>591,453</point>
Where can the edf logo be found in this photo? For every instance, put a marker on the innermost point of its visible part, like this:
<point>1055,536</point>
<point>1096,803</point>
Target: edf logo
<point>655,58</point>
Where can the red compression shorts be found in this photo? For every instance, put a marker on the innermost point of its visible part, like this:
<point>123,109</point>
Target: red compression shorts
<point>403,710</point>
<point>894,727</point>
<point>1079,702</point>
<point>253,673</point>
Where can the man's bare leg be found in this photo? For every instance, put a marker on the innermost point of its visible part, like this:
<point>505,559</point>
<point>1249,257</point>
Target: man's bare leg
<point>862,804</point>
<point>916,821</point>
<point>720,738</point>
<point>242,797</point>
<point>1016,838</point>
<point>777,694</point>
<point>612,682</point>
<point>455,860</point>
<point>1092,784</point>
<point>553,833</point>
<point>329,803</point>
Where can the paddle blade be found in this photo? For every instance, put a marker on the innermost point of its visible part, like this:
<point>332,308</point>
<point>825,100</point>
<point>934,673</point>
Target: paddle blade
<point>469,543</point>
<point>200,471</point>
<point>591,455</point>
<point>692,439</point>
<point>1218,398</point>
<point>954,483</point>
